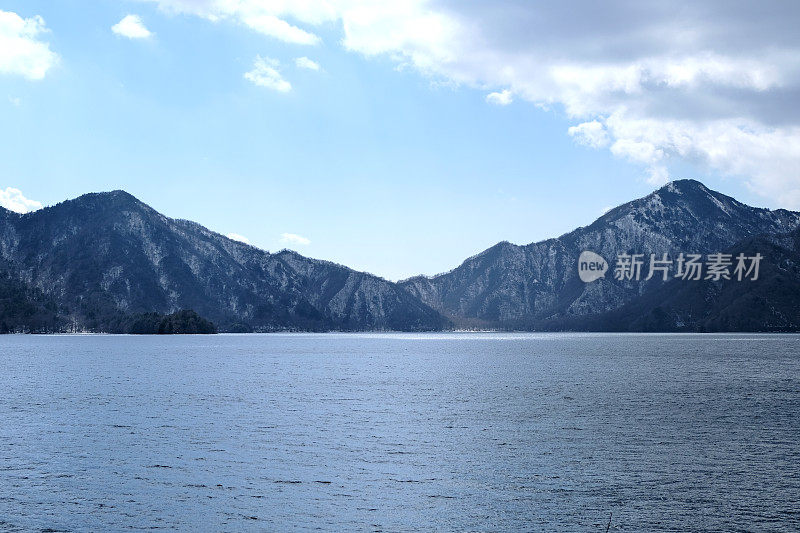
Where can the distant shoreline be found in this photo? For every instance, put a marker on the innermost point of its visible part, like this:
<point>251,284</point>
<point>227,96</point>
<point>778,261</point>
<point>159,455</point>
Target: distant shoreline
<point>392,332</point>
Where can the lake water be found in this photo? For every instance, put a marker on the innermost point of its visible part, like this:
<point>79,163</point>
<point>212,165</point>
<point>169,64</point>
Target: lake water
<point>495,432</point>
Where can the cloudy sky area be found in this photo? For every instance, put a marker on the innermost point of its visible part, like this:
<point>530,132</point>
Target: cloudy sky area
<point>396,137</point>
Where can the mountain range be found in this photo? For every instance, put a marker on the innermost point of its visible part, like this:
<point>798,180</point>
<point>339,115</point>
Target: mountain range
<point>103,261</point>
<point>536,286</point>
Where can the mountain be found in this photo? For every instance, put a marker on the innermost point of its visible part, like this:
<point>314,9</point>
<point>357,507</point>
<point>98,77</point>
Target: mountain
<point>522,287</point>
<point>108,262</point>
<point>102,258</point>
<point>25,309</point>
<point>771,303</point>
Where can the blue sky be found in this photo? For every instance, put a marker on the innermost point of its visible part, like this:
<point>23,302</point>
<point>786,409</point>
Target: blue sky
<point>389,158</point>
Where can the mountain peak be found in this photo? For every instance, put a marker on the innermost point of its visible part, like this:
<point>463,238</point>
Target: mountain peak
<point>116,200</point>
<point>685,184</point>
<point>117,195</point>
<point>687,187</point>
<point>694,188</point>
<point>693,196</point>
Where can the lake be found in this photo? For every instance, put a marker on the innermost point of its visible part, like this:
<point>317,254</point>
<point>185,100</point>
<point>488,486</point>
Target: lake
<point>400,432</point>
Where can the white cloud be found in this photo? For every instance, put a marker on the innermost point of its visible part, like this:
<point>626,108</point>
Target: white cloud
<point>237,237</point>
<point>502,98</point>
<point>280,29</point>
<point>637,151</point>
<point>132,27</point>
<point>657,175</point>
<point>306,63</point>
<point>591,134</point>
<point>21,52</point>
<point>16,101</point>
<point>664,82</point>
<point>293,238</point>
<point>266,17</point>
<point>265,73</point>
<point>13,200</point>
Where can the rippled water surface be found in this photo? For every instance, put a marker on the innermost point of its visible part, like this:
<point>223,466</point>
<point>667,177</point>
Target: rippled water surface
<point>400,432</point>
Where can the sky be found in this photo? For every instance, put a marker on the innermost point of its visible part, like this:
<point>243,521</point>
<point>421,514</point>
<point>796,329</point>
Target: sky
<point>397,138</point>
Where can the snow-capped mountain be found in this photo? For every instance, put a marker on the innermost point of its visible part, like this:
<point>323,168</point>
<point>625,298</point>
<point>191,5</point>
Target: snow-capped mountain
<point>519,286</point>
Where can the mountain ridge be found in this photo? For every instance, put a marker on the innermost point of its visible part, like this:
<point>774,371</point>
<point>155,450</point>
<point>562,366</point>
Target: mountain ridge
<point>607,215</point>
<point>109,252</point>
<point>98,259</point>
<point>510,283</point>
<point>770,304</point>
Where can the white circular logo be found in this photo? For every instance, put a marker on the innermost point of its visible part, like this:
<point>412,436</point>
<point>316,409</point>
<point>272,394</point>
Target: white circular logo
<point>591,266</point>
